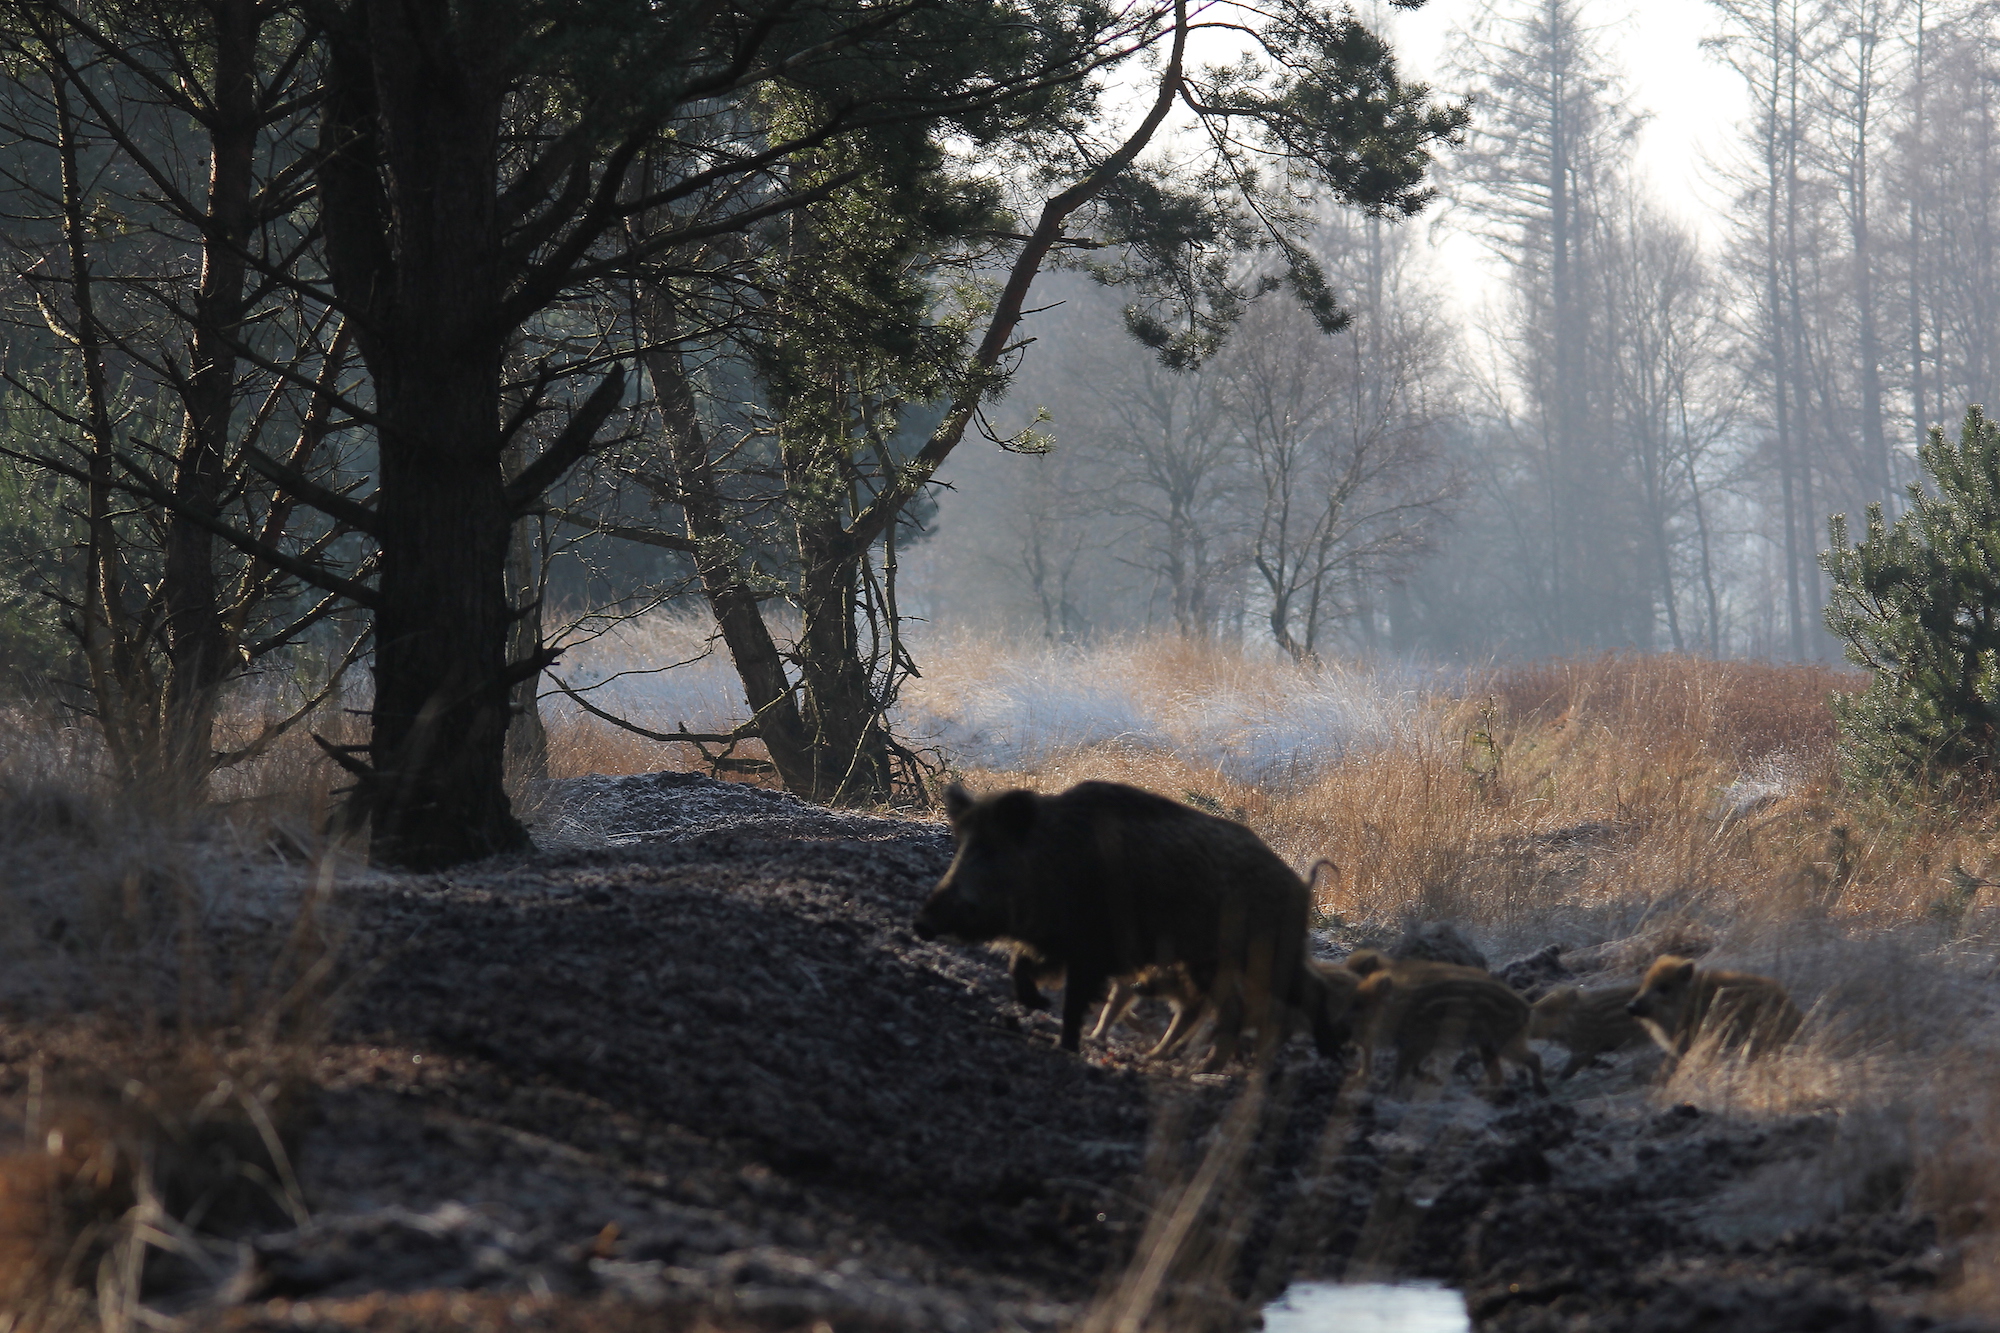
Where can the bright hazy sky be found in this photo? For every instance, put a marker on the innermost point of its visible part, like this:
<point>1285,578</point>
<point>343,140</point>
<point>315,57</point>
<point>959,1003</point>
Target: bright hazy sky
<point>1693,101</point>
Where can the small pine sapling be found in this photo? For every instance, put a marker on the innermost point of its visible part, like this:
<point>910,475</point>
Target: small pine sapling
<point>1917,602</point>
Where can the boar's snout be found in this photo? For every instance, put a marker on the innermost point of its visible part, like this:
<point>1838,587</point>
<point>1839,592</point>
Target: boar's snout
<point>943,913</point>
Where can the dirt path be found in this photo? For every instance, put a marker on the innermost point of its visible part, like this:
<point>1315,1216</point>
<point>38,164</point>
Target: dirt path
<point>692,1058</point>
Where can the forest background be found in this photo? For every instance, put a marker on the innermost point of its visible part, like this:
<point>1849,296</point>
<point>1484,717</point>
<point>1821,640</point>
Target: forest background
<point>1626,428</point>
<point>284,283</point>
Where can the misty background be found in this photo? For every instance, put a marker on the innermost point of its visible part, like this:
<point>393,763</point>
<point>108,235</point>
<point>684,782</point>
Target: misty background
<point>1606,394</point>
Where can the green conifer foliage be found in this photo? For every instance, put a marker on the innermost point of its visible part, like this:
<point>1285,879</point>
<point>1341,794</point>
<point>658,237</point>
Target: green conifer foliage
<point>1918,603</point>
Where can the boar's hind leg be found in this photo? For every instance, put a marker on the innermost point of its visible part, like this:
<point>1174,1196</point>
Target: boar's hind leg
<point>1080,990</point>
<point>1489,1056</point>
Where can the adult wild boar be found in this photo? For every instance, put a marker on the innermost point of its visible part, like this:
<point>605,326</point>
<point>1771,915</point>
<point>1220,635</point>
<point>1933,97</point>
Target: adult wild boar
<point>1106,880</point>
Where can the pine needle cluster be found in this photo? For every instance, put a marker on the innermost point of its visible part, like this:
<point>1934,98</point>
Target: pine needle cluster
<point>1918,602</point>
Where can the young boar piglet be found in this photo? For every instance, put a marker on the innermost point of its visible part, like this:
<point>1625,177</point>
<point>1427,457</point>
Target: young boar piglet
<point>1171,984</point>
<point>1106,880</point>
<point>1681,1004</point>
<point>1590,1022</point>
<point>1424,1007</point>
<point>1367,962</point>
<point>1189,1006</point>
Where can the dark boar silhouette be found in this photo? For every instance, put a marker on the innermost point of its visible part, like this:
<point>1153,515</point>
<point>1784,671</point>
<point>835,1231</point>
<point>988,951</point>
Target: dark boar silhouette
<point>1106,880</point>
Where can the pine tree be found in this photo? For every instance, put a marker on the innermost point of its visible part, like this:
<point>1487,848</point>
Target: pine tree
<point>1918,603</point>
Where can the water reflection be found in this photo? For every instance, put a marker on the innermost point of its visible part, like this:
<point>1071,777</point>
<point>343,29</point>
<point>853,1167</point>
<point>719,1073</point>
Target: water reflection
<point>1367,1307</point>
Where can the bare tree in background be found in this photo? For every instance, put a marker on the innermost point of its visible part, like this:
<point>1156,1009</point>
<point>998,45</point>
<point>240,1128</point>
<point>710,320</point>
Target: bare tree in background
<point>1851,88</point>
<point>1341,437</point>
<point>1945,165</point>
<point>1056,534</point>
<point>1538,181</point>
<point>1170,474</point>
<point>1667,337</point>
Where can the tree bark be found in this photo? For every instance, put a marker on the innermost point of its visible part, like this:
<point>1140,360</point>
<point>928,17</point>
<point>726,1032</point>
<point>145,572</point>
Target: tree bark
<point>527,738</point>
<point>851,759</point>
<point>414,242</point>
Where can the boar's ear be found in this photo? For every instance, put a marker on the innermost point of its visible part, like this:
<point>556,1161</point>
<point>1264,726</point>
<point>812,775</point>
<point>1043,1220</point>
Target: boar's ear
<point>1013,812</point>
<point>957,800</point>
<point>1682,973</point>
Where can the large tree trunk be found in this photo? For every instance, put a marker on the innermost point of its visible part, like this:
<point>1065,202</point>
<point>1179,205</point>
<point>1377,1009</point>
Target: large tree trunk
<point>415,116</point>
<point>441,690</point>
<point>197,640</point>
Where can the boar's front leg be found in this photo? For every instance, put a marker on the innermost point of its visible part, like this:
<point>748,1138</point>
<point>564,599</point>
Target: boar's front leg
<point>1027,971</point>
<point>1081,989</point>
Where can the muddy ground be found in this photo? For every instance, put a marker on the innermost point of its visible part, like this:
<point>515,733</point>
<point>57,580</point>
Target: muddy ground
<point>690,1061</point>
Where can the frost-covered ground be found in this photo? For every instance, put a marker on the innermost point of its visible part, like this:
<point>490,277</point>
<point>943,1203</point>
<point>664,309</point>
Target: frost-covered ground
<point>598,810</point>
<point>1259,721</point>
<point>986,704</point>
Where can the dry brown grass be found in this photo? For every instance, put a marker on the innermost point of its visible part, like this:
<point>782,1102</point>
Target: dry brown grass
<point>165,973</point>
<point>1744,709</point>
<point>132,1151</point>
<point>1592,798</point>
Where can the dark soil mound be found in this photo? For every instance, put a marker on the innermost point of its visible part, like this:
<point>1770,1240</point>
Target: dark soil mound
<point>689,1066</point>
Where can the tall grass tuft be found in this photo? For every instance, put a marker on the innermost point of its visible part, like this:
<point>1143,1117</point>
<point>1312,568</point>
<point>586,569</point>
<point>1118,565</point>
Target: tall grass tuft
<point>165,974</point>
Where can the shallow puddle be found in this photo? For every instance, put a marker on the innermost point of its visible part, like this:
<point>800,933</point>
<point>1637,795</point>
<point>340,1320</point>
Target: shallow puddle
<point>1367,1307</point>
